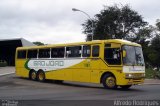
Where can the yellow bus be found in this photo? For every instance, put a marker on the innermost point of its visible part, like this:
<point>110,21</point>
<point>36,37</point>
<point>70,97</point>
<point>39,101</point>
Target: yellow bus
<point>112,62</point>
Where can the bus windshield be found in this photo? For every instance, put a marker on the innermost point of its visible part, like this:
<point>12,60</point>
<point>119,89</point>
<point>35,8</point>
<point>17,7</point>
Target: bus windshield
<point>134,55</point>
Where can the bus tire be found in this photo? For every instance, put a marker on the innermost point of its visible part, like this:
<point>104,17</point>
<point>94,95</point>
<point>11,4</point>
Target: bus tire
<point>125,86</point>
<point>41,76</point>
<point>109,81</point>
<point>32,75</point>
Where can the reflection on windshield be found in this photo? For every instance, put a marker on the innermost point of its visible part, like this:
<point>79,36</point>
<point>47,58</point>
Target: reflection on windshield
<point>134,55</point>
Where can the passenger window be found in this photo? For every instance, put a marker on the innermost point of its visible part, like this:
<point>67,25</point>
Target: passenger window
<point>21,54</point>
<point>44,53</point>
<point>95,51</point>
<point>57,52</point>
<point>112,56</point>
<point>73,51</point>
<point>86,51</point>
<point>32,54</point>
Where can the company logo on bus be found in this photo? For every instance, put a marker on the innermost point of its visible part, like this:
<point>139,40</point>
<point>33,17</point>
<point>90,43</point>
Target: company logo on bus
<point>48,63</point>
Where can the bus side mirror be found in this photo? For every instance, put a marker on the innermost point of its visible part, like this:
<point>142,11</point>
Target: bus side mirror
<point>124,53</point>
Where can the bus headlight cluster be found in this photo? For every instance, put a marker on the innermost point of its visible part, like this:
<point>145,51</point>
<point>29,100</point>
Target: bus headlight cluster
<point>129,75</point>
<point>143,75</point>
<point>135,75</point>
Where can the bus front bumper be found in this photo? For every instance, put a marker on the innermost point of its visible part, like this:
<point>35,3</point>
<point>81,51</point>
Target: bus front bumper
<point>132,79</point>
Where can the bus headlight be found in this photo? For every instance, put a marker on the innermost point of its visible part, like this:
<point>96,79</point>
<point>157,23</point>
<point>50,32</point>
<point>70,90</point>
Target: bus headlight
<point>135,75</point>
<point>143,75</point>
<point>129,75</point>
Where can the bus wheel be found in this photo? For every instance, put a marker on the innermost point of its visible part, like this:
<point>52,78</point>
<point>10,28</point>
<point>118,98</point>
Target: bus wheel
<point>109,81</point>
<point>41,76</point>
<point>125,86</point>
<point>32,75</point>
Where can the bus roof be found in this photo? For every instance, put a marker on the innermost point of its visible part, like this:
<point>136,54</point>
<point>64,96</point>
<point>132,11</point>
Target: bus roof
<point>121,41</point>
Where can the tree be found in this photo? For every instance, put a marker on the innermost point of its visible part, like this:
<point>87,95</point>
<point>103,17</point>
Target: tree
<point>143,34</point>
<point>153,50</point>
<point>115,22</point>
<point>158,24</point>
<point>143,37</point>
<point>154,54</point>
<point>38,43</point>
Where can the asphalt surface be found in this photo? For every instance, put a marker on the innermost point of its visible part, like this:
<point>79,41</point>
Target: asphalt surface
<point>16,88</point>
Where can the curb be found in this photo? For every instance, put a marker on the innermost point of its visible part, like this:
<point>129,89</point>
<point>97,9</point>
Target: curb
<point>151,84</point>
<point>7,73</point>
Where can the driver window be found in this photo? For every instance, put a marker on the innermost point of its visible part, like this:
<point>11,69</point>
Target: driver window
<point>112,56</point>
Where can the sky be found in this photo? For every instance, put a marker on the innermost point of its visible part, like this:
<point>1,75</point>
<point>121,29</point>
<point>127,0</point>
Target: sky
<point>53,21</point>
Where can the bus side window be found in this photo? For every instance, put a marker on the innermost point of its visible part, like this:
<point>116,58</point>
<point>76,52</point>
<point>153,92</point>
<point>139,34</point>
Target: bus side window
<point>73,51</point>
<point>21,54</point>
<point>86,51</point>
<point>95,51</point>
<point>57,52</point>
<point>32,54</point>
<point>44,53</point>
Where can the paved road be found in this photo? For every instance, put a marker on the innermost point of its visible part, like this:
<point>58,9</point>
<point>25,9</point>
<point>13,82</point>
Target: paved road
<point>15,88</point>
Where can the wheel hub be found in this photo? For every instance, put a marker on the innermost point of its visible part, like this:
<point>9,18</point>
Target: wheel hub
<point>110,81</point>
<point>41,76</point>
<point>33,75</point>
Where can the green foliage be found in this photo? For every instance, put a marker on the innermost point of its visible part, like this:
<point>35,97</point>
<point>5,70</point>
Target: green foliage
<point>150,73</point>
<point>151,48</point>
<point>143,34</point>
<point>154,54</point>
<point>115,22</point>
<point>38,43</point>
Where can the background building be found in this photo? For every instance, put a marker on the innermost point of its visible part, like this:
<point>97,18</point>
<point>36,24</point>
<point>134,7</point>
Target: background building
<point>8,48</point>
